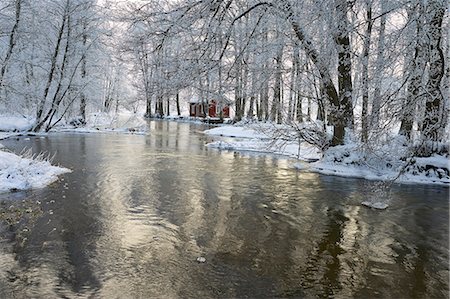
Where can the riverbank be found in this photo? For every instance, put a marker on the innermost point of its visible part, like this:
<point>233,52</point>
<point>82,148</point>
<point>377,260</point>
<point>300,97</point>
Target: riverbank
<point>387,162</point>
<point>124,122</point>
<point>26,172</point>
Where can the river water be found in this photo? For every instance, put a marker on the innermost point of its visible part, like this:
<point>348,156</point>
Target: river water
<point>132,218</point>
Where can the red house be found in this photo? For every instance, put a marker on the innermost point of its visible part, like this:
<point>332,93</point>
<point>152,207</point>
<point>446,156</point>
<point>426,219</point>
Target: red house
<point>197,109</point>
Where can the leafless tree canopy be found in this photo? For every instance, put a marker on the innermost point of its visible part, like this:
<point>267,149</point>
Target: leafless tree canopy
<point>368,66</point>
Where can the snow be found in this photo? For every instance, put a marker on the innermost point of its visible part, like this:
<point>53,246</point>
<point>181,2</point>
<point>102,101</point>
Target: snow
<point>201,259</point>
<point>15,123</point>
<point>383,163</point>
<point>183,118</point>
<point>12,125</point>
<point>237,132</point>
<point>257,138</point>
<point>19,173</point>
<point>4,135</point>
<point>436,160</point>
<point>375,205</point>
<point>112,120</point>
<point>99,122</point>
<point>123,122</point>
<point>289,149</point>
<point>131,130</point>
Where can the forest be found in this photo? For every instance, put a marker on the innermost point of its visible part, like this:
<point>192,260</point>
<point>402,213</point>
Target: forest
<point>370,68</point>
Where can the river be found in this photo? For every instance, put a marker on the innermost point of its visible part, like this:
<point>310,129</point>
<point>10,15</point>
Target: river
<point>137,212</point>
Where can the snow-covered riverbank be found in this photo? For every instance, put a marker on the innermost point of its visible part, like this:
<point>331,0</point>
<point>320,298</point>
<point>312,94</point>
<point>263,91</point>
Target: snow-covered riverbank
<point>385,163</point>
<point>23,172</point>
<point>19,173</point>
<point>99,122</point>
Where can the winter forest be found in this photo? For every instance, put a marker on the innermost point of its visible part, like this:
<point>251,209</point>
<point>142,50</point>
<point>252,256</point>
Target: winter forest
<point>224,148</point>
<point>371,67</point>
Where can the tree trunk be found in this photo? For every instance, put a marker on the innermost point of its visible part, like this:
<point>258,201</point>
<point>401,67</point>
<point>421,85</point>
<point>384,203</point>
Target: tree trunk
<point>293,90</point>
<point>58,96</point>
<point>329,89</point>
<point>40,109</point>
<point>298,89</point>
<point>238,85</point>
<point>177,99</point>
<point>167,106</point>
<point>147,75</point>
<point>434,99</point>
<point>12,44</point>
<point>160,106</point>
<point>376,101</point>
<point>221,99</point>
<point>83,77</point>
<point>344,64</point>
<point>275,113</point>
<point>365,75</point>
<point>320,95</point>
<point>446,93</point>
<point>415,70</point>
<point>250,111</point>
<point>244,84</point>
<point>264,91</point>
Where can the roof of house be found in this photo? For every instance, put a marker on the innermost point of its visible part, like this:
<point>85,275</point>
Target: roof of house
<point>195,100</point>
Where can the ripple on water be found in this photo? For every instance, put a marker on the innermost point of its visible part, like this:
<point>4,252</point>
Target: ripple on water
<point>140,210</point>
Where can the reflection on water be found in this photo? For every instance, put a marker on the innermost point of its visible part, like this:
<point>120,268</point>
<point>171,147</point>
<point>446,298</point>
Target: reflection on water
<point>137,211</point>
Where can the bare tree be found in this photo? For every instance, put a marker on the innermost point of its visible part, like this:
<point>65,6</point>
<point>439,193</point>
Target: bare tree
<point>12,43</point>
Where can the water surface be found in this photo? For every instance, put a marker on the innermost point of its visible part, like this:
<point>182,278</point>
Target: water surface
<point>137,211</point>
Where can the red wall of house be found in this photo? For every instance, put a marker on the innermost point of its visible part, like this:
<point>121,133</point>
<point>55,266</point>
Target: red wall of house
<point>226,111</point>
<point>212,109</point>
<point>195,110</point>
<point>191,109</point>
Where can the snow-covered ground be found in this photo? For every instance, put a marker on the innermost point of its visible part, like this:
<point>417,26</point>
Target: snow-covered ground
<point>238,132</point>
<point>19,173</point>
<point>384,163</point>
<point>351,161</point>
<point>124,123</point>
<point>257,138</point>
<point>13,125</point>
